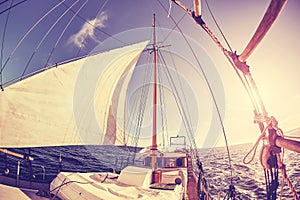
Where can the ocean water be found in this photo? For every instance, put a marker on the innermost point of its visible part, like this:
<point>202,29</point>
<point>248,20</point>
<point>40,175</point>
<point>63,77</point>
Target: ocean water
<point>248,179</point>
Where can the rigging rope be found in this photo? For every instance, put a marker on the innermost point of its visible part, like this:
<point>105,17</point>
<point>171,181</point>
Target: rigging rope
<point>175,67</point>
<point>260,112</point>
<point>178,78</point>
<point>290,185</point>
<point>232,57</point>
<point>282,166</point>
<point>3,2</point>
<point>64,30</point>
<point>254,148</point>
<point>2,47</point>
<point>99,12</point>
<point>210,90</point>
<point>27,33</point>
<point>180,107</point>
<point>61,2</point>
<point>180,103</point>
<point>250,86</point>
<point>247,84</point>
<point>219,28</point>
<point>175,26</point>
<point>95,27</point>
<point>12,6</point>
<point>163,105</point>
<point>140,102</point>
<point>271,159</point>
<point>45,36</point>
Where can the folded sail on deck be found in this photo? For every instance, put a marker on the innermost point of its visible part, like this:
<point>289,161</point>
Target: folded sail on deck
<point>68,104</point>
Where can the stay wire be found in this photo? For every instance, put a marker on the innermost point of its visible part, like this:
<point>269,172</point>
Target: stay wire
<point>187,126</point>
<point>166,37</point>
<point>2,45</point>
<point>126,129</point>
<point>127,119</point>
<point>211,92</point>
<point>181,104</point>
<point>244,81</point>
<point>141,110</point>
<point>175,67</point>
<point>96,28</point>
<point>219,28</point>
<point>180,107</point>
<point>27,33</point>
<point>141,102</point>
<point>225,51</point>
<point>163,105</point>
<point>64,30</point>
<point>12,6</point>
<point>45,36</point>
<point>3,2</point>
<point>99,12</point>
<point>132,115</point>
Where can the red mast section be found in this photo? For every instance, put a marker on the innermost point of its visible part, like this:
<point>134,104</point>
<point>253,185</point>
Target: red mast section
<point>154,142</point>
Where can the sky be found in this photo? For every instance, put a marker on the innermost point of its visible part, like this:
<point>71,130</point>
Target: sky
<point>273,64</point>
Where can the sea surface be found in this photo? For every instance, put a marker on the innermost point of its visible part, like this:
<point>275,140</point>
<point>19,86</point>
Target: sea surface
<point>248,179</point>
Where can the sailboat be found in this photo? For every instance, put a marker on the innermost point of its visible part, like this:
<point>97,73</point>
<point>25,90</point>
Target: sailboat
<point>164,174</point>
<point>79,89</point>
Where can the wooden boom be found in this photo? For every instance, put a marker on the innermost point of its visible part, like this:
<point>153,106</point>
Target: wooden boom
<point>15,154</point>
<point>287,144</point>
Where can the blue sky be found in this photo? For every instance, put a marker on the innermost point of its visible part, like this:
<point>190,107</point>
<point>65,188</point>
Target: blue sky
<point>273,65</point>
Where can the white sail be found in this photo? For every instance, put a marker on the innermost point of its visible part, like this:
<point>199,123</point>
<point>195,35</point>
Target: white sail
<point>115,130</point>
<point>58,106</point>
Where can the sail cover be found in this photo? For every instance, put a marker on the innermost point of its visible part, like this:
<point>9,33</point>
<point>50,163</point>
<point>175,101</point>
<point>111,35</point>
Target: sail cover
<point>66,105</point>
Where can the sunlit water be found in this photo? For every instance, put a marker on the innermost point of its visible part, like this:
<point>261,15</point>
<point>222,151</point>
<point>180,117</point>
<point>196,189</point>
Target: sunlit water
<point>247,179</point>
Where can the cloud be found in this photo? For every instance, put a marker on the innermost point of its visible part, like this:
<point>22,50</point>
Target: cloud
<point>88,30</point>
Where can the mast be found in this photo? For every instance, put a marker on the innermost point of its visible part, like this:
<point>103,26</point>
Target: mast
<point>154,134</point>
